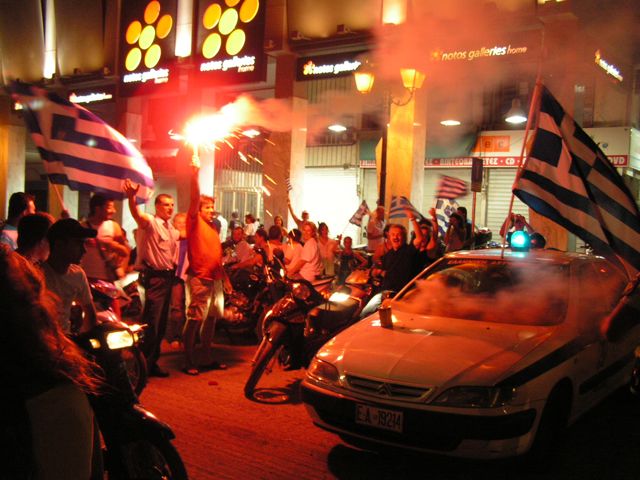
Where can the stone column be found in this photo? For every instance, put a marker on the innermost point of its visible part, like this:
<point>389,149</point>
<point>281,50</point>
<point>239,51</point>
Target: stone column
<point>406,142</point>
<point>12,163</point>
<point>284,154</point>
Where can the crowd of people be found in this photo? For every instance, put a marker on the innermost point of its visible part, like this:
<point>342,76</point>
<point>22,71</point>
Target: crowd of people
<point>185,261</point>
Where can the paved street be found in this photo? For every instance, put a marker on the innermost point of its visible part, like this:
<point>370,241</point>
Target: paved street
<point>221,435</point>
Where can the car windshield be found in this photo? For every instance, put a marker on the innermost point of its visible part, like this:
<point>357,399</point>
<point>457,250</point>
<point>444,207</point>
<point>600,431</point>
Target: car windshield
<point>497,291</point>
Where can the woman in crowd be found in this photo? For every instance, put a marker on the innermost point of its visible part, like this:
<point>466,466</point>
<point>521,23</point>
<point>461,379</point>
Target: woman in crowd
<point>328,249</point>
<point>45,377</point>
<point>279,222</point>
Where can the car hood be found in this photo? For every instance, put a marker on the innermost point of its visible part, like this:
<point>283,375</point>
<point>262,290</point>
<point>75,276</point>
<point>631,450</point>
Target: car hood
<point>434,351</point>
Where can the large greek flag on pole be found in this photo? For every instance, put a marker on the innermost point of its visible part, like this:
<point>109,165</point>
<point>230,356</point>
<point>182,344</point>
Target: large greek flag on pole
<point>78,148</point>
<point>568,179</point>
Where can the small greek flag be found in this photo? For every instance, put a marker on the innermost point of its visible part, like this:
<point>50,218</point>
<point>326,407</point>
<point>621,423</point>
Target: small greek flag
<point>451,187</point>
<point>363,210</point>
<point>288,182</point>
<point>444,208</point>
<point>399,207</point>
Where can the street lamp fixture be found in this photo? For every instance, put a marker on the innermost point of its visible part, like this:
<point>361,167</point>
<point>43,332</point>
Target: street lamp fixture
<point>412,80</point>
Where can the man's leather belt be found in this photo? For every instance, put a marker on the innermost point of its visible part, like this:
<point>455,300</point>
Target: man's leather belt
<point>159,273</point>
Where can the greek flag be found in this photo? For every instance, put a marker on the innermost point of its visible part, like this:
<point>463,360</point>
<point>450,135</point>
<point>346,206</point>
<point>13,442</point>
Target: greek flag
<point>78,148</point>
<point>356,218</point>
<point>399,205</point>
<point>568,179</point>
<point>451,187</point>
<point>288,182</point>
<point>444,208</point>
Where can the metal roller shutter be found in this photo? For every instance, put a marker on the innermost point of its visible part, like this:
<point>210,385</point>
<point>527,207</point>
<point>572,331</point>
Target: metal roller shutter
<point>498,197</point>
<point>331,196</point>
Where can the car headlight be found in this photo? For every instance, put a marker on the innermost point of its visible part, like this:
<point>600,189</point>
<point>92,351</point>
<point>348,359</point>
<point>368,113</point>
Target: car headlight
<point>119,339</point>
<point>475,397</point>
<point>323,371</point>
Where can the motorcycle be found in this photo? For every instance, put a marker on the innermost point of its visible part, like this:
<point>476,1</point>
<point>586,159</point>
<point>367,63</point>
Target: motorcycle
<point>136,445</point>
<point>253,293</point>
<point>104,295</point>
<point>303,320</point>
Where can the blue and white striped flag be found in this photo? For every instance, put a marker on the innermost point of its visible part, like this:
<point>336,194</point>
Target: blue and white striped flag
<point>568,179</point>
<point>363,210</point>
<point>288,182</point>
<point>78,148</point>
<point>444,208</point>
<point>399,205</point>
<point>451,187</point>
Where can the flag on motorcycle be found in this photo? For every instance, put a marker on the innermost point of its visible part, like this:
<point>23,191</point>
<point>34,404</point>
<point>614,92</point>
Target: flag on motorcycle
<point>451,187</point>
<point>363,210</point>
<point>444,208</point>
<point>78,148</point>
<point>567,178</point>
<point>399,205</point>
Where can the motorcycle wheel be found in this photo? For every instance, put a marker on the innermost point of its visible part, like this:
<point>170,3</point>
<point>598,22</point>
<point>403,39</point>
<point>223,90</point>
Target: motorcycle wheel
<point>265,354</point>
<point>136,366</point>
<point>153,458</point>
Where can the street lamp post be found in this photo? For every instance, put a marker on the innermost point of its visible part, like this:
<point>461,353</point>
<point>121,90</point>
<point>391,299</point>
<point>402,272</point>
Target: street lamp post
<point>412,80</point>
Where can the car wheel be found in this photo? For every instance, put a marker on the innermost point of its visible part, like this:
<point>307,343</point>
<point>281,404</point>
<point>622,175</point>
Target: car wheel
<point>552,427</point>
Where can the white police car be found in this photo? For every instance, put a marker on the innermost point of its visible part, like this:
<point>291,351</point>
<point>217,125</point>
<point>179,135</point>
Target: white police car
<point>489,355</point>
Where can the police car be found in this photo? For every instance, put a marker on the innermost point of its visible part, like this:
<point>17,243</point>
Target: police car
<point>486,354</point>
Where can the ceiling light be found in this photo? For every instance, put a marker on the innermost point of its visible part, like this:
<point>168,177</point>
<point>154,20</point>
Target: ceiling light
<point>337,128</point>
<point>516,114</point>
<point>450,123</point>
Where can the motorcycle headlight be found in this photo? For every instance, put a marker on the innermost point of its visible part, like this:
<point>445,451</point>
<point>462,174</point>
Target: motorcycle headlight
<point>119,339</point>
<point>301,291</point>
<point>339,297</point>
<point>475,397</point>
<point>323,371</point>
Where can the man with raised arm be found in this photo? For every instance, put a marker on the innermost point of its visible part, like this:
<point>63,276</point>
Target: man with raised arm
<point>157,254</point>
<point>205,278</point>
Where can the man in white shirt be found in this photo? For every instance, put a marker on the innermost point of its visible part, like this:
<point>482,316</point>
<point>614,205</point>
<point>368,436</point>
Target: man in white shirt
<point>309,265</point>
<point>157,246</point>
<point>375,229</point>
<point>64,277</point>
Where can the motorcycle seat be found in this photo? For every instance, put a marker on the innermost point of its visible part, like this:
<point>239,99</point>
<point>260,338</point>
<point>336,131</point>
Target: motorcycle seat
<point>331,315</point>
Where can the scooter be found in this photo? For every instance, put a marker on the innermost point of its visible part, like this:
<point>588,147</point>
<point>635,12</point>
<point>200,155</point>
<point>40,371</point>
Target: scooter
<point>253,294</point>
<point>303,320</point>
<point>104,295</point>
<point>136,445</point>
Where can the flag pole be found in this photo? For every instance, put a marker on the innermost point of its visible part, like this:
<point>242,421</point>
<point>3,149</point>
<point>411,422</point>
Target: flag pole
<point>58,194</point>
<point>535,100</point>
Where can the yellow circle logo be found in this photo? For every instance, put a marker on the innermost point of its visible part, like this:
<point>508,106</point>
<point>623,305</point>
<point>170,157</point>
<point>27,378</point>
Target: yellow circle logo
<point>142,38</point>
<point>226,22</point>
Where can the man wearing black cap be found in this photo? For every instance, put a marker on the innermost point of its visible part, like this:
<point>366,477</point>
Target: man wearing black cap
<point>63,274</point>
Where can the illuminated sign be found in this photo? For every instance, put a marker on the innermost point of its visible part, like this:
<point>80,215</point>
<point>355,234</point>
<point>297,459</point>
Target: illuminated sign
<point>86,97</point>
<point>493,161</point>
<point>328,66</point>
<point>609,68</point>
<point>230,39</point>
<point>478,53</point>
<point>147,44</point>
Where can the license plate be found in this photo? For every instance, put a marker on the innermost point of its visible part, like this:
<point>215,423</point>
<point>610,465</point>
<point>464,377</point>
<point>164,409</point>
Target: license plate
<point>379,418</point>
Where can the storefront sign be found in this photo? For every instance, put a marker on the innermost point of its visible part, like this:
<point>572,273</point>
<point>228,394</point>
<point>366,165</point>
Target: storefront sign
<point>459,162</point>
<point>230,41</point>
<point>147,45</point>
<point>487,51</point>
<point>609,68</point>
<point>328,66</point>
<point>85,97</point>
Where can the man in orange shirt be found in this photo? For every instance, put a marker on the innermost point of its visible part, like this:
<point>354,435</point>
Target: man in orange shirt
<point>205,278</point>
